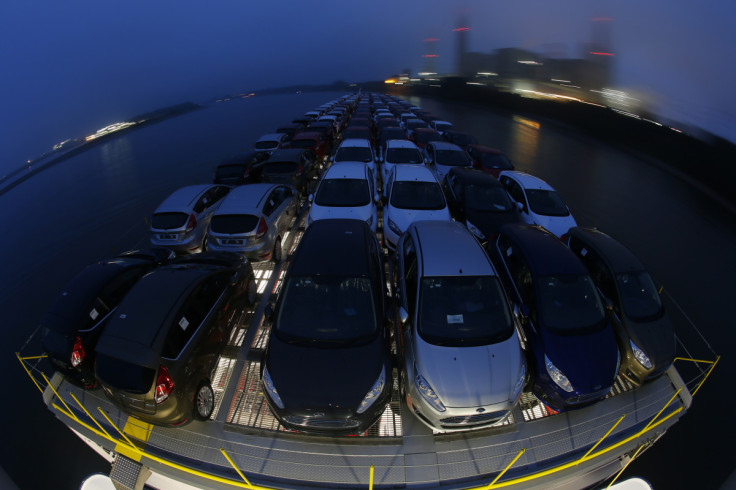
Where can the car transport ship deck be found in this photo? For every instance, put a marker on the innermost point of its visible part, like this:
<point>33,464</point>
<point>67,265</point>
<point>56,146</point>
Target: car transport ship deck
<point>244,445</point>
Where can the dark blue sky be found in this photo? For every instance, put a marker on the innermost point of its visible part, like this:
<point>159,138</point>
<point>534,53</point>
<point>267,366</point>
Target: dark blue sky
<point>74,66</point>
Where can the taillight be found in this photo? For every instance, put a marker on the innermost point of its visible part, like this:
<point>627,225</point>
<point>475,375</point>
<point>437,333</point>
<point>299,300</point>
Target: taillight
<point>262,228</point>
<point>77,352</point>
<point>164,385</point>
<point>191,224</point>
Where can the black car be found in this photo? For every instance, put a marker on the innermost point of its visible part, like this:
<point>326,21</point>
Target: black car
<point>157,353</point>
<point>238,169</point>
<point>72,325</point>
<point>643,329</point>
<point>480,201</point>
<point>295,166</point>
<point>459,138</point>
<point>327,367</point>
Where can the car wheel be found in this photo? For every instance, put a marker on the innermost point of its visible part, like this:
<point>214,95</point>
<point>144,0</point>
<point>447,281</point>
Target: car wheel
<point>204,401</point>
<point>252,291</point>
<point>277,252</point>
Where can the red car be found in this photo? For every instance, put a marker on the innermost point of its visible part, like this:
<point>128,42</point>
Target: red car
<point>312,140</point>
<point>489,160</point>
<point>422,136</point>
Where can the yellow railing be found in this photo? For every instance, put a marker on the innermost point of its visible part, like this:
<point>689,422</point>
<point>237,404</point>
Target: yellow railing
<point>135,449</point>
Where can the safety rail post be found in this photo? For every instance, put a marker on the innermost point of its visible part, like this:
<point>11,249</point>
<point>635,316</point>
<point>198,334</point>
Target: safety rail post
<point>132,446</point>
<point>90,416</point>
<point>235,467</point>
<point>48,383</point>
<point>601,439</point>
<point>498,477</point>
<point>28,372</point>
<point>625,466</point>
<point>370,479</point>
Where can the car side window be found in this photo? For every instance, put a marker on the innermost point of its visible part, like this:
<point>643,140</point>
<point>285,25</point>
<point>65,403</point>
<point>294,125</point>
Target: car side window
<point>516,193</point>
<point>410,275</point>
<point>599,271</point>
<point>370,182</point>
<point>190,317</point>
<point>520,272</point>
<point>209,198</point>
<point>457,189</point>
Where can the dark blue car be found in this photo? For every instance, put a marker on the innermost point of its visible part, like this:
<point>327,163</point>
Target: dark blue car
<point>574,358</point>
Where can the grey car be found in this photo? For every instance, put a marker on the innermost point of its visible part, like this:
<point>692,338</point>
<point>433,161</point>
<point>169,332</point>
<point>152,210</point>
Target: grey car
<point>180,222</point>
<point>463,365</point>
<point>252,220</point>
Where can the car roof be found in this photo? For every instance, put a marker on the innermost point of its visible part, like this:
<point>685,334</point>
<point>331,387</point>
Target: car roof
<point>360,142</point>
<point>470,175</point>
<point>445,145</point>
<point>400,144</point>
<point>271,137</point>
<point>183,198</point>
<point>244,198</point>
<point>546,254</point>
<point>526,180</point>
<point>333,247</point>
<point>617,256</point>
<point>416,172</point>
<point>346,170</point>
<point>449,249</point>
<point>138,329</point>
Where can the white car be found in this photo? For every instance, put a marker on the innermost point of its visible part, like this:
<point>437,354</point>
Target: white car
<point>539,204</point>
<point>357,150</point>
<point>442,156</point>
<point>271,142</point>
<point>412,194</point>
<point>345,191</point>
<point>399,152</point>
<point>441,126</point>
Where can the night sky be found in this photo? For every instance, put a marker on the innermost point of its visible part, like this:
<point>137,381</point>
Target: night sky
<point>69,68</point>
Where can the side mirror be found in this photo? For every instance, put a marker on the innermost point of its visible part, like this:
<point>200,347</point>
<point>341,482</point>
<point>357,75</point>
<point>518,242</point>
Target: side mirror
<point>377,198</point>
<point>520,207</point>
<point>311,197</point>
<point>521,313</point>
<point>403,315</point>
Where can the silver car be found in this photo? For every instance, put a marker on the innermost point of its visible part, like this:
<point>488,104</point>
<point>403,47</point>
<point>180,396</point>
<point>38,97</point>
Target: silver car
<point>252,220</point>
<point>180,222</point>
<point>463,363</point>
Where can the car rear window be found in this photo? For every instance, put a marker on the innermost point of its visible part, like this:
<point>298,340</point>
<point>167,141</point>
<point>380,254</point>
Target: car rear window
<point>281,168</point>
<point>124,375</point>
<point>168,221</point>
<point>233,223</point>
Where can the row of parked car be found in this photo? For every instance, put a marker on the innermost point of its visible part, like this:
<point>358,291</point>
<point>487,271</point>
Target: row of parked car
<point>483,300</point>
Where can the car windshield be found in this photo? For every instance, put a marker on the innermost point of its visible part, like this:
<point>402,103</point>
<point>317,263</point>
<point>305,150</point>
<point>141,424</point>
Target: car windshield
<point>638,295</point>
<point>570,303</point>
<point>233,223</point>
<point>487,198</point>
<point>168,221</point>
<point>303,143</point>
<point>417,195</point>
<point>463,310</point>
<point>462,139</point>
<point>495,160</point>
<point>546,203</point>
<point>353,154</point>
<point>327,309</point>
<point>443,126</point>
<point>404,155</point>
<point>343,193</point>
<point>454,158</point>
<point>414,124</point>
<point>427,136</point>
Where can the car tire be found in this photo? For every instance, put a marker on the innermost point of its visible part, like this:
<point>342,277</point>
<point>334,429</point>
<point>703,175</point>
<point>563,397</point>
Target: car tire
<point>252,290</point>
<point>277,254</point>
<point>204,401</point>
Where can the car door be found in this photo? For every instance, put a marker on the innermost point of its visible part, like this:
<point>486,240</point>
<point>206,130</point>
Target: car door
<point>407,292</point>
<point>522,286</point>
<point>516,193</point>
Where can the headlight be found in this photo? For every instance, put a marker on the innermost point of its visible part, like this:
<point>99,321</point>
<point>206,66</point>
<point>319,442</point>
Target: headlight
<point>474,230</point>
<point>557,376</point>
<point>640,356</point>
<point>427,392</point>
<point>520,383</point>
<point>394,227</point>
<point>374,392</point>
<point>271,390</point>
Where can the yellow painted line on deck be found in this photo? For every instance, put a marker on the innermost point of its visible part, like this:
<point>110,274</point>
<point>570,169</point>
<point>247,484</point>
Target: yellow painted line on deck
<point>138,430</point>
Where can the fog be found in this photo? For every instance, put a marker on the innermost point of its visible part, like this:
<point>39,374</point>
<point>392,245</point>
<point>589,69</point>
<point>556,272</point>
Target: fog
<point>69,68</point>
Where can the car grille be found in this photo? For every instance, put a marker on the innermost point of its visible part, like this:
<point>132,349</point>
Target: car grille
<point>478,418</point>
<point>322,423</point>
<point>588,397</point>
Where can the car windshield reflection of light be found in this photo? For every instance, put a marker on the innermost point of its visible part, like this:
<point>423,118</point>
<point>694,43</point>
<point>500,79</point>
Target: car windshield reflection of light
<point>323,309</point>
<point>638,295</point>
<point>569,303</point>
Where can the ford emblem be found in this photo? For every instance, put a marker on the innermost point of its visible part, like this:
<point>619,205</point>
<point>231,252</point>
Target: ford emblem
<point>319,414</point>
<point>481,410</point>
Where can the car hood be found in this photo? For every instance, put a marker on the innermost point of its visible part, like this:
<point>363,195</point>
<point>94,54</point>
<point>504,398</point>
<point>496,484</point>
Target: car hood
<point>465,377</point>
<point>404,217</point>
<point>326,379</point>
<point>587,360</point>
<point>656,338</point>
<point>489,222</point>
<point>557,225</point>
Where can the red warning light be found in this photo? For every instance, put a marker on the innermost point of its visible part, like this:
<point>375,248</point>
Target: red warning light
<point>461,29</point>
<point>598,53</point>
<point>431,40</point>
<point>431,56</point>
